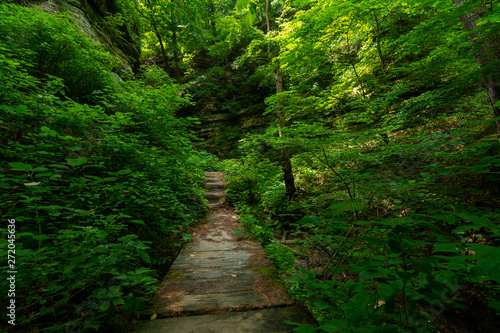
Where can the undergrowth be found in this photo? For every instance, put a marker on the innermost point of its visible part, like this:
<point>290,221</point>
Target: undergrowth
<point>385,233</point>
<point>99,181</point>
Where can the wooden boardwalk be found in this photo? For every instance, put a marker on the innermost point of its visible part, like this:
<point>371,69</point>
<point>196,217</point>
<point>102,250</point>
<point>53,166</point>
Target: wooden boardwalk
<point>220,283</point>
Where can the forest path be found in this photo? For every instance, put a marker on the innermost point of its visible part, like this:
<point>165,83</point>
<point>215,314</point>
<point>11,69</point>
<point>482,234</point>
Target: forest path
<point>218,282</point>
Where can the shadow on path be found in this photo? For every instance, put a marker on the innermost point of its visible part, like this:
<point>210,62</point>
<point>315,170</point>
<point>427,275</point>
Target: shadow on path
<point>217,284</point>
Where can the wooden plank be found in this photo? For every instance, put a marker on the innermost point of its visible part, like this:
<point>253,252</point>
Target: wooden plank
<point>257,321</point>
<point>224,284</point>
<point>210,273</point>
<point>214,263</point>
<point>210,246</point>
<point>213,301</point>
<point>204,255</point>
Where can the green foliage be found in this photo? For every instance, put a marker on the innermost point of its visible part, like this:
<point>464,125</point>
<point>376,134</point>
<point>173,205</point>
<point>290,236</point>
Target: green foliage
<point>388,238</point>
<point>395,165</point>
<point>248,180</point>
<point>282,257</point>
<point>52,46</point>
<point>209,162</point>
<point>100,192</point>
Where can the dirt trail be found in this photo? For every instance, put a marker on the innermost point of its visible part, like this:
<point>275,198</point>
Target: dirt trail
<point>217,283</point>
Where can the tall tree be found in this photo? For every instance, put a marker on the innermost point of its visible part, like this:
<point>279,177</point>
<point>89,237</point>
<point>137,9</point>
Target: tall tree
<point>486,45</point>
<point>175,18</point>
<point>179,28</point>
<point>285,156</point>
<point>149,10</point>
<point>286,160</point>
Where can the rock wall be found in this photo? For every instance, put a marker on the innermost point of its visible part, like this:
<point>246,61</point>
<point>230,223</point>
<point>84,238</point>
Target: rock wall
<point>100,21</point>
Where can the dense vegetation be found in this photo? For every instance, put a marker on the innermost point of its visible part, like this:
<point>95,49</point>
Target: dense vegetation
<point>367,164</point>
<point>99,175</point>
<point>393,223</point>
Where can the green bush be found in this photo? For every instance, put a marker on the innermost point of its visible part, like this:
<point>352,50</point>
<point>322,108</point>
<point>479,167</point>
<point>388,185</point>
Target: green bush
<point>97,191</point>
<point>53,46</point>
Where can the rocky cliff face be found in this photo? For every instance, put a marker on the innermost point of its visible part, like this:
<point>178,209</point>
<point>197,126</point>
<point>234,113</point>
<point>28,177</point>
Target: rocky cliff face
<point>229,105</point>
<point>102,21</point>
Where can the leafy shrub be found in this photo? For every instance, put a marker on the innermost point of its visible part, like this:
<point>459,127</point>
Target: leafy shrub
<point>209,162</point>
<point>97,191</point>
<point>52,45</point>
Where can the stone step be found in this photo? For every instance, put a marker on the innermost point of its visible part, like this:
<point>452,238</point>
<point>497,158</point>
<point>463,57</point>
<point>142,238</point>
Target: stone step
<point>215,205</point>
<point>256,321</point>
<point>214,185</point>
<point>214,195</point>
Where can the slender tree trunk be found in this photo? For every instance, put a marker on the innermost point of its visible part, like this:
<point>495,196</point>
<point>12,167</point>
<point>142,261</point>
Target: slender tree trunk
<point>267,16</point>
<point>286,163</point>
<point>268,26</point>
<point>377,40</point>
<point>211,10</point>
<point>162,47</point>
<point>174,43</point>
<point>487,49</point>
<point>176,56</point>
<point>351,62</point>
<point>158,35</point>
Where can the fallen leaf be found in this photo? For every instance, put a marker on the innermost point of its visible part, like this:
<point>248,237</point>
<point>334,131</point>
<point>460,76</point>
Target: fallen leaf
<point>234,275</point>
<point>153,317</point>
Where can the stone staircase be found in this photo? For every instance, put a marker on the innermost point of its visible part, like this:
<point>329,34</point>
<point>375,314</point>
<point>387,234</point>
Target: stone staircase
<point>220,283</point>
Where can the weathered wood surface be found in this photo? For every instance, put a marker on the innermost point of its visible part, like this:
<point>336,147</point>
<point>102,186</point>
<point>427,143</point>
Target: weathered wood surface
<point>216,283</point>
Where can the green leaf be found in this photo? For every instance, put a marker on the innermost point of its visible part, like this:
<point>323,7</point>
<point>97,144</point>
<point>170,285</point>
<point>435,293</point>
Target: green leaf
<point>253,8</point>
<point>100,293</point>
<point>241,4</point>
<point>495,305</point>
<point>20,166</point>
<point>124,172</point>
<point>345,206</point>
<point>473,218</point>
<point>395,245</point>
<point>114,291</point>
<point>104,305</point>
<point>423,266</point>
<point>128,238</point>
<point>77,161</point>
<point>334,325</point>
<point>303,328</point>
<point>25,234</point>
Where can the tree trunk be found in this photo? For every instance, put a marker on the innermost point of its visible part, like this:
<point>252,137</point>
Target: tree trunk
<point>268,27</point>
<point>162,47</point>
<point>267,16</point>
<point>212,15</point>
<point>176,55</point>
<point>174,44</point>
<point>487,49</point>
<point>286,163</point>
<point>377,40</point>
<point>351,62</point>
<point>157,33</point>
